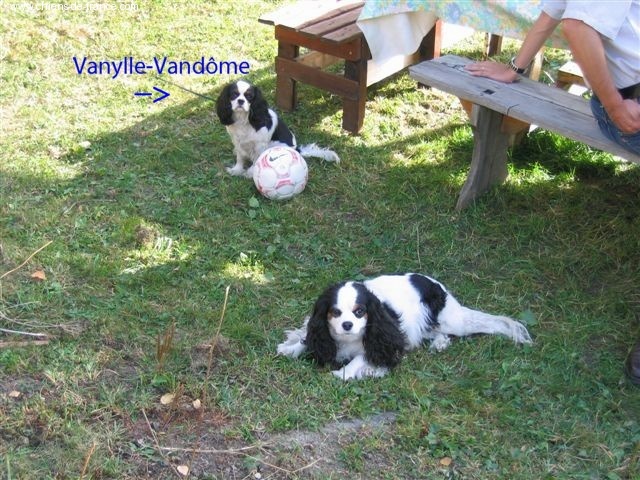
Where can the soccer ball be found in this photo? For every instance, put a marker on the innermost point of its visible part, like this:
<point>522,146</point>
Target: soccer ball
<point>280,173</point>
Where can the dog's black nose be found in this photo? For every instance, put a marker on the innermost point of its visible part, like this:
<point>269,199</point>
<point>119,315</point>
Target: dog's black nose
<point>347,326</point>
<point>240,101</point>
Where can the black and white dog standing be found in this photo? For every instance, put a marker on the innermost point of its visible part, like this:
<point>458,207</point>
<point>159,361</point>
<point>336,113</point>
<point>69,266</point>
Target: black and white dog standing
<point>368,326</point>
<point>254,127</point>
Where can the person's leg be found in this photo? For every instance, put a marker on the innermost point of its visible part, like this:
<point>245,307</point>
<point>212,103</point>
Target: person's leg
<point>628,141</point>
<point>631,142</point>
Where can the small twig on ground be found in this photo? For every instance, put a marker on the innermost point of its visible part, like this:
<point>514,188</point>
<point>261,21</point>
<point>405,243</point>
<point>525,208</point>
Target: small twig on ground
<point>18,332</point>
<point>27,260</point>
<point>309,465</point>
<point>70,328</point>
<point>158,448</point>
<point>242,452</point>
<point>212,346</point>
<point>87,459</point>
<point>284,470</point>
<point>25,343</point>
<point>232,451</point>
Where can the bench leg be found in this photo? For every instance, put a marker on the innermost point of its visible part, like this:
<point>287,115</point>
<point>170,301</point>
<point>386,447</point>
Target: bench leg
<point>353,110</point>
<point>286,88</point>
<point>489,160</point>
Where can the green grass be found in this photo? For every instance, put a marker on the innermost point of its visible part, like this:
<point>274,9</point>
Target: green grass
<point>147,230</point>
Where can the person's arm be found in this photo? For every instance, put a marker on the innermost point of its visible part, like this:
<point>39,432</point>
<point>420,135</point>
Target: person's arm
<point>537,35</point>
<point>588,51</point>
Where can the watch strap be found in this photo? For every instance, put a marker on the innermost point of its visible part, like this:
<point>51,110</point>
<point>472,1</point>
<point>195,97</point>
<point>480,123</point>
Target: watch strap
<point>515,68</point>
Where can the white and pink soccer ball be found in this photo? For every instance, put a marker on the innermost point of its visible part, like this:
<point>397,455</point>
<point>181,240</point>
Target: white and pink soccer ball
<point>280,173</point>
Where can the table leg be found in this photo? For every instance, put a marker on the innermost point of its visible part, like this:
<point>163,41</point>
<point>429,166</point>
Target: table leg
<point>494,46</point>
<point>286,88</point>
<point>353,110</point>
<point>431,43</point>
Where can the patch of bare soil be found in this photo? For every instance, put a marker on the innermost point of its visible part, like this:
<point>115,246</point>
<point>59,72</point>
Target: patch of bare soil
<point>199,445</point>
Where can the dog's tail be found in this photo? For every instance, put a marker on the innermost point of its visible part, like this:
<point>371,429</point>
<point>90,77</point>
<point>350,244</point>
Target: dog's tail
<point>313,150</point>
<point>475,321</point>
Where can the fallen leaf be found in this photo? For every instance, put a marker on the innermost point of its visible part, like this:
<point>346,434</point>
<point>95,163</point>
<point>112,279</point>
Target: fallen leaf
<point>167,398</point>
<point>183,470</point>
<point>445,461</point>
<point>197,404</point>
<point>14,394</point>
<point>38,275</point>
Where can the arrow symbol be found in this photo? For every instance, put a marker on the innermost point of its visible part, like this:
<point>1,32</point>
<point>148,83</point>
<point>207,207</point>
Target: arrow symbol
<point>163,95</point>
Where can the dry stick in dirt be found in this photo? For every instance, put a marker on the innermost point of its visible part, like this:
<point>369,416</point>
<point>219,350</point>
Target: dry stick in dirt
<point>42,336</point>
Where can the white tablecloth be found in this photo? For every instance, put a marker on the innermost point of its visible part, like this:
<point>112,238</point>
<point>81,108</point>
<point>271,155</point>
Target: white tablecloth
<point>396,27</point>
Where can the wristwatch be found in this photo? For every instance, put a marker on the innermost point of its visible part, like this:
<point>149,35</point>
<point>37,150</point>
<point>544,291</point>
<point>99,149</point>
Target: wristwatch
<point>515,68</point>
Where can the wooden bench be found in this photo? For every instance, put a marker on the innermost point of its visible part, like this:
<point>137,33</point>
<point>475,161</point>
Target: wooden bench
<point>496,105</point>
<point>329,33</point>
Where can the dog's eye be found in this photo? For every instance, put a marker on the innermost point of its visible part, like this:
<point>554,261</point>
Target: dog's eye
<point>248,96</point>
<point>334,312</point>
<point>359,312</point>
<point>234,95</point>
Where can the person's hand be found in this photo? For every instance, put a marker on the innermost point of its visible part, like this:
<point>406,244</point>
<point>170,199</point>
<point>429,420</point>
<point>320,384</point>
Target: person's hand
<point>493,70</point>
<point>626,115</point>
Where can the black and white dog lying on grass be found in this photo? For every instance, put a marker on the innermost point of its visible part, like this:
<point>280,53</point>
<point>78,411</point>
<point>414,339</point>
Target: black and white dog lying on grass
<point>368,326</point>
<point>254,127</point>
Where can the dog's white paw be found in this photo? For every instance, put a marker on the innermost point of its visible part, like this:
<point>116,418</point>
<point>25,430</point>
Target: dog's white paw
<point>248,173</point>
<point>343,374</point>
<point>440,342</point>
<point>294,345</point>
<point>237,170</point>
<point>519,333</point>
<point>293,350</point>
<point>346,373</point>
<point>375,372</point>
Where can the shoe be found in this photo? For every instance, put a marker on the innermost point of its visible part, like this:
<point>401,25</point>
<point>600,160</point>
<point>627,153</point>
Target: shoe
<point>632,365</point>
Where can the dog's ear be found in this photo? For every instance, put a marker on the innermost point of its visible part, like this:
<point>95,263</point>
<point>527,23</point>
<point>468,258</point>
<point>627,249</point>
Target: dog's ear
<point>223,105</point>
<point>259,110</point>
<point>384,342</point>
<point>320,343</point>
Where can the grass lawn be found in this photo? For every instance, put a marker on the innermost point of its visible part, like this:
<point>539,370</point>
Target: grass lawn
<point>134,235</point>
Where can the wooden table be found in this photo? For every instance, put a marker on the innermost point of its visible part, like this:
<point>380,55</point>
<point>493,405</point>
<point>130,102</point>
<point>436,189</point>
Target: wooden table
<point>329,33</point>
